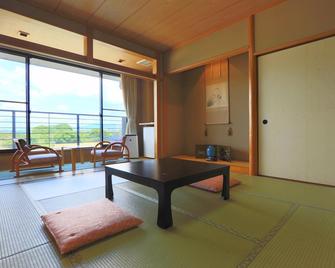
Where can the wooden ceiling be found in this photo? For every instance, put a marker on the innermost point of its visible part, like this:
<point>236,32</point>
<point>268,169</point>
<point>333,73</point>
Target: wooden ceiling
<point>158,24</point>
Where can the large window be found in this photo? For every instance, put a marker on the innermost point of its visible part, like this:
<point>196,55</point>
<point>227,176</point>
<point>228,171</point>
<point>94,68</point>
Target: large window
<point>12,99</point>
<point>64,104</point>
<point>114,115</point>
<point>68,105</point>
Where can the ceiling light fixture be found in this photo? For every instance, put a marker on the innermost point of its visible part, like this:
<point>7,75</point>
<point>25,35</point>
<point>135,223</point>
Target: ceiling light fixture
<point>145,63</point>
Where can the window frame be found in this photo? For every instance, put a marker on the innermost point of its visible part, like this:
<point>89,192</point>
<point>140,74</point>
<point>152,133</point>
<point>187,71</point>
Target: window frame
<point>29,56</point>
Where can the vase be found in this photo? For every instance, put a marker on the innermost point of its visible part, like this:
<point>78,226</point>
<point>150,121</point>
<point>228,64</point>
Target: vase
<point>211,153</point>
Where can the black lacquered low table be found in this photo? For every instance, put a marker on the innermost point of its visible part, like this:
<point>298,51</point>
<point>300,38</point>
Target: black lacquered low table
<point>164,176</point>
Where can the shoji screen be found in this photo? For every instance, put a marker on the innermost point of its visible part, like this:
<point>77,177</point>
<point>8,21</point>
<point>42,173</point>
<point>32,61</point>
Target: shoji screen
<point>297,113</point>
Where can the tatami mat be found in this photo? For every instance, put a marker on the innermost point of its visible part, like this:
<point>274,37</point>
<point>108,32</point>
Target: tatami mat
<point>21,226</point>
<point>38,190</point>
<point>189,243</point>
<point>233,214</point>
<point>43,256</point>
<point>252,219</point>
<point>295,192</point>
<point>267,223</point>
<point>307,240</point>
<point>72,200</point>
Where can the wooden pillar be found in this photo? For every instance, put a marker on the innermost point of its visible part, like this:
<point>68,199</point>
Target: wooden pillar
<point>253,101</point>
<point>165,117</point>
<point>89,45</point>
<point>158,109</point>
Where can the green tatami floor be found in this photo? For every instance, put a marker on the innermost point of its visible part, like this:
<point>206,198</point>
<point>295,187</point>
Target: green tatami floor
<point>267,223</point>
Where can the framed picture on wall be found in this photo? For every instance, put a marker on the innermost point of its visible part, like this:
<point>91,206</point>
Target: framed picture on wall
<point>217,94</point>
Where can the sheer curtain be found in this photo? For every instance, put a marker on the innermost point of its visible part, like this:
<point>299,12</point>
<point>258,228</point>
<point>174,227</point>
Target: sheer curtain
<point>129,88</point>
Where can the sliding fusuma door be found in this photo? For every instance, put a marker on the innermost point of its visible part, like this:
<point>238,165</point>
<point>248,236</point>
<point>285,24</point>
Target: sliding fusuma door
<point>297,113</point>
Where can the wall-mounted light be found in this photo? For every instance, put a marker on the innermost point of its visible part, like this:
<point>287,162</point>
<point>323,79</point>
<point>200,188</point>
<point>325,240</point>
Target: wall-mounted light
<point>23,34</point>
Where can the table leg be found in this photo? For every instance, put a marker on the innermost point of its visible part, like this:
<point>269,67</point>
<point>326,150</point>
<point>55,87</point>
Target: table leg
<point>73,159</point>
<point>108,186</point>
<point>63,156</point>
<point>81,154</point>
<point>226,188</point>
<point>164,219</point>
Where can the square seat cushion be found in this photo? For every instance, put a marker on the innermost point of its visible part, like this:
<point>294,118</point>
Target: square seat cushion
<point>109,152</point>
<point>214,184</point>
<point>42,158</point>
<point>72,228</point>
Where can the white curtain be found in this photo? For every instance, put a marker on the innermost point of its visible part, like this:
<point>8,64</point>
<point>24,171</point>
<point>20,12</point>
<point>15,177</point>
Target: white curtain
<point>129,88</point>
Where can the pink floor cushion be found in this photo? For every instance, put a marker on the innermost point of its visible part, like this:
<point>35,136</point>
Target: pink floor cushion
<point>214,184</point>
<point>75,227</point>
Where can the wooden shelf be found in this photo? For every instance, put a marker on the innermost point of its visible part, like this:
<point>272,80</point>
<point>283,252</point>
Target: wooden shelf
<point>235,166</point>
<point>148,124</point>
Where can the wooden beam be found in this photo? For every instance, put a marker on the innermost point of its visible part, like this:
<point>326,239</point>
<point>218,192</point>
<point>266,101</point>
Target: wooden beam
<point>253,101</point>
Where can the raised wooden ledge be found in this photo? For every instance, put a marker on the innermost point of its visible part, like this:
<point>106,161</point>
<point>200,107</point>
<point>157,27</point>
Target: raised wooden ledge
<point>235,166</point>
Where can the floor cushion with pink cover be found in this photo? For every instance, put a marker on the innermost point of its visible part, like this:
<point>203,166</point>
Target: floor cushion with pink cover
<point>72,228</point>
<point>214,184</point>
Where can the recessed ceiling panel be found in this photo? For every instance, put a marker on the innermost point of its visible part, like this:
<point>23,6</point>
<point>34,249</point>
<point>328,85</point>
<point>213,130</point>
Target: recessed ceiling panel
<point>160,12</point>
<point>80,10</point>
<point>114,12</point>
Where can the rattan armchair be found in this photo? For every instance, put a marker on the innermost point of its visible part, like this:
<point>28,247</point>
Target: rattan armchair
<point>30,156</point>
<point>106,150</point>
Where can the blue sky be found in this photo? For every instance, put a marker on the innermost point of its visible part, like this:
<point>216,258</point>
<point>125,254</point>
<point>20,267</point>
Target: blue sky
<point>55,90</point>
